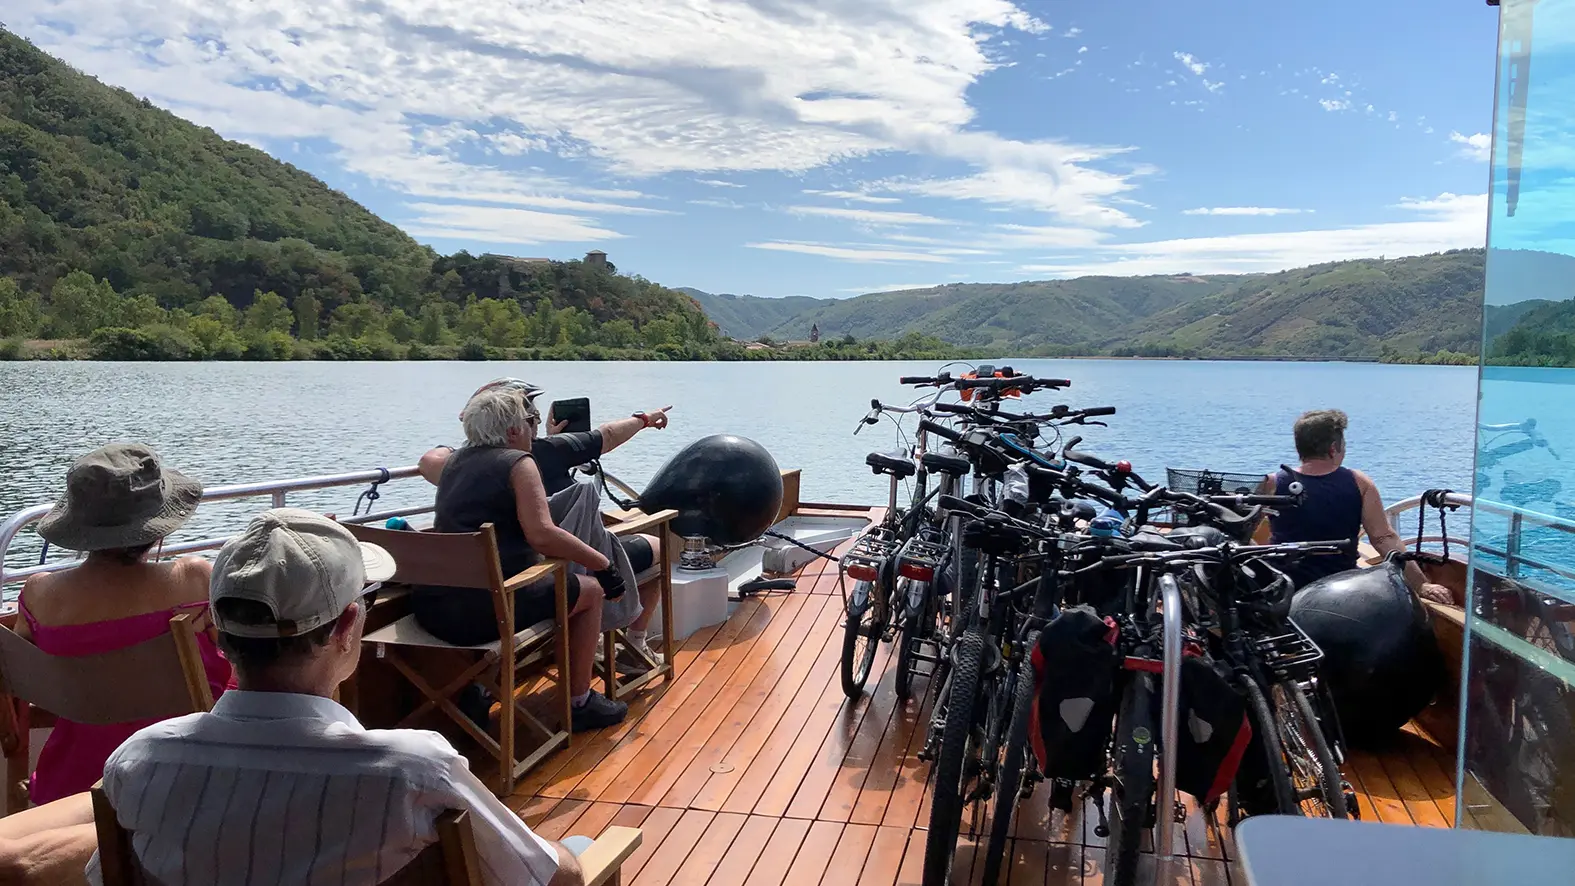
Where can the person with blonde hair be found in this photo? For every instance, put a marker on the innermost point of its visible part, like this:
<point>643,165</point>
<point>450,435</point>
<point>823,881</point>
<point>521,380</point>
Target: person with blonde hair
<point>494,479</point>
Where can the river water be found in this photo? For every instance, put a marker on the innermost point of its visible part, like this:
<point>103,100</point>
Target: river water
<point>1411,426</point>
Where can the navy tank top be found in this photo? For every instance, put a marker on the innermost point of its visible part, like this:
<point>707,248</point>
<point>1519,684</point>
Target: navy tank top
<point>1331,511</point>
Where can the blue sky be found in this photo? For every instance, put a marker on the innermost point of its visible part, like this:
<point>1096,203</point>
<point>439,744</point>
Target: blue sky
<point>828,148</point>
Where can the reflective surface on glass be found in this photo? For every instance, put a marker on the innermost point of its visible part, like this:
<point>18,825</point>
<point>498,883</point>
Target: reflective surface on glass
<point>1517,735</point>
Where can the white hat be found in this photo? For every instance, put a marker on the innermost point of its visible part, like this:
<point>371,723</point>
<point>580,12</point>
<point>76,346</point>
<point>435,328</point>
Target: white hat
<point>306,568</point>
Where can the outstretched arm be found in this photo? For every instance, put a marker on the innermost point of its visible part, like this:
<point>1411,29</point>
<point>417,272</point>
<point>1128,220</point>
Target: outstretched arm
<point>617,433</point>
<point>1384,539</point>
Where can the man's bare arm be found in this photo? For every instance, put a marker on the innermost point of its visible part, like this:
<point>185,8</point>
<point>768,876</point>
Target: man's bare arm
<point>617,433</point>
<point>432,461</point>
<point>1385,540</point>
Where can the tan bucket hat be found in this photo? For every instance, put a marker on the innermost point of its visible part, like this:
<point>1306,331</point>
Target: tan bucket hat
<point>119,496</point>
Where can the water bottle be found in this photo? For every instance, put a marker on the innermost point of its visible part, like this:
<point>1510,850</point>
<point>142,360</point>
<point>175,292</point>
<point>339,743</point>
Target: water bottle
<point>397,523</point>
<point>1107,525</point>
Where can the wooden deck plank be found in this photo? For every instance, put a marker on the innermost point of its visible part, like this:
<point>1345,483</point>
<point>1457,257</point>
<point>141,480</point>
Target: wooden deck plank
<point>896,760</point>
<point>739,863</point>
<point>713,846</point>
<point>885,857</point>
<point>747,623</point>
<point>654,825</point>
<point>853,849</point>
<point>707,714</point>
<point>768,738</point>
<point>763,703</point>
<point>814,854</point>
<point>911,873</point>
<point>562,773</point>
<point>847,779</point>
<point>557,823</point>
<point>596,818</point>
<point>1413,792</point>
<point>1379,791</point>
<point>664,863</point>
<point>813,742</point>
<point>776,859</point>
<point>1030,863</point>
<point>815,780</point>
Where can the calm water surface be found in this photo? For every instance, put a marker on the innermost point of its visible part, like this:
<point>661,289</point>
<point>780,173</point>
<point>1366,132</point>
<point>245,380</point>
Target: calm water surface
<point>1411,426</point>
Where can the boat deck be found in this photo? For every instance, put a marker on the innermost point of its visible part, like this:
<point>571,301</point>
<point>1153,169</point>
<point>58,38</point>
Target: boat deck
<point>751,767</point>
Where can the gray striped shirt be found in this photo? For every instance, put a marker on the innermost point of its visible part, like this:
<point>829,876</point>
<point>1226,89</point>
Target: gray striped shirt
<point>273,788</point>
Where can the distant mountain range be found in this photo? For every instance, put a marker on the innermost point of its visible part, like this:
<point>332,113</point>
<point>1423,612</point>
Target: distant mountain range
<point>1404,308</point>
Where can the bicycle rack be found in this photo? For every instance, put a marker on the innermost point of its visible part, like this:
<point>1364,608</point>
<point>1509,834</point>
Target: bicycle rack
<point>1169,725</point>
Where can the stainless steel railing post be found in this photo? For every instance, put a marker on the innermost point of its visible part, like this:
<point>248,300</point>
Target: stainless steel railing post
<point>1169,720</point>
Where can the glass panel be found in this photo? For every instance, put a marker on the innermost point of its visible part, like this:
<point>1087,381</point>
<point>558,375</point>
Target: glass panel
<point>1517,736</point>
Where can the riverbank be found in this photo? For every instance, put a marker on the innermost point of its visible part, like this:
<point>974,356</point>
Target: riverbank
<point>136,346</point>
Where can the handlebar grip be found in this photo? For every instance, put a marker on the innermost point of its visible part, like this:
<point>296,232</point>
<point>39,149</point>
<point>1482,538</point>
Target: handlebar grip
<point>953,408</point>
<point>1085,459</point>
<point>915,380</point>
<point>1099,410</point>
<point>1053,383</point>
<point>940,430</point>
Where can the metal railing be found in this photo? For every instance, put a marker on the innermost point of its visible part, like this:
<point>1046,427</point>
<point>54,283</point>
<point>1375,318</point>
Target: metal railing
<point>1512,553</point>
<point>277,492</point>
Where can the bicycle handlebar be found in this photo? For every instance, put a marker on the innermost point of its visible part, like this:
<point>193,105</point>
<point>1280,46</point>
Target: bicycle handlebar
<point>939,430</point>
<point>1229,553</point>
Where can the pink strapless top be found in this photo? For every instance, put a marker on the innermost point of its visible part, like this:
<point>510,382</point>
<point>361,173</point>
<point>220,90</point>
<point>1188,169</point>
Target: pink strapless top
<point>73,757</point>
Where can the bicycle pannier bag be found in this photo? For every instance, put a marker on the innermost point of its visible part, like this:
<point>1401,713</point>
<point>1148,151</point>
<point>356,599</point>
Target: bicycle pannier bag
<point>1075,665</point>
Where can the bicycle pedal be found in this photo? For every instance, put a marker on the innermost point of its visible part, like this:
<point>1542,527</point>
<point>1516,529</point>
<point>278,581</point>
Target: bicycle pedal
<point>1179,814</point>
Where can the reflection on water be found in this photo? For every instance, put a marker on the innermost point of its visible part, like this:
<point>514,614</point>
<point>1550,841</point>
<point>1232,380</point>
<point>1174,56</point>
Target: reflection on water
<point>242,422</point>
<point>1519,741</point>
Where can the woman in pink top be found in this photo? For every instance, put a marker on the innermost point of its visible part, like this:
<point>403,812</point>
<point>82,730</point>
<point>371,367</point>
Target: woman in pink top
<point>120,502</point>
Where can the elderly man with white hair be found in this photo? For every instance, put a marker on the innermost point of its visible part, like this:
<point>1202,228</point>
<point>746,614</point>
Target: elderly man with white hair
<point>494,479</point>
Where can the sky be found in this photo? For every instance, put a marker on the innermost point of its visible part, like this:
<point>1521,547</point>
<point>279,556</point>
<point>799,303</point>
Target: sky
<point>829,148</point>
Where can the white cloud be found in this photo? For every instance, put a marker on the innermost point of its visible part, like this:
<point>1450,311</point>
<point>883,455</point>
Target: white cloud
<point>1190,62</point>
<point>1073,32</point>
<point>869,216</point>
<point>1448,221</point>
<point>1243,210</point>
<point>890,287</point>
<point>1334,104</point>
<point>495,224</point>
<point>1212,85</point>
<point>857,196</point>
<point>717,183</point>
<point>625,91</point>
<point>1082,49</point>
<point>1478,146</point>
<point>846,253</point>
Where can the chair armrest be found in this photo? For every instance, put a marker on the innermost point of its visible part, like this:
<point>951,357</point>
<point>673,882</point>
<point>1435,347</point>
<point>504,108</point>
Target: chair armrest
<point>641,524</point>
<point>535,573</point>
<point>601,861</point>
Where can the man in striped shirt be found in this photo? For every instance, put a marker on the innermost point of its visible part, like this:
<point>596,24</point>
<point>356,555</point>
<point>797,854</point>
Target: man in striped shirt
<point>278,784</point>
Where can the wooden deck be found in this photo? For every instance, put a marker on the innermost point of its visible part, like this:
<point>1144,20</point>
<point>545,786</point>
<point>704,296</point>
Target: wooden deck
<point>752,768</point>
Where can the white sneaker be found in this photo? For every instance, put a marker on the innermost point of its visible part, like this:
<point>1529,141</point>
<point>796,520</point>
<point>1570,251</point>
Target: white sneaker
<point>630,661</point>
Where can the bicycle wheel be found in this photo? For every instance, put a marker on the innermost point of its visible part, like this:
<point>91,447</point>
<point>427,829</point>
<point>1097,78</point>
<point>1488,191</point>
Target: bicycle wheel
<point>1271,791</point>
<point>1133,792</point>
<point>946,797</point>
<point>908,640</point>
<point>1013,767</point>
<point>1315,777</point>
<point>861,632</point>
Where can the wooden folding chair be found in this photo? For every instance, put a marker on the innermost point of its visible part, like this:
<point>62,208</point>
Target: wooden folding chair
<point>470,560</point>
<point>156,679</point>
<point>451,861</point>
<point>657,525</point>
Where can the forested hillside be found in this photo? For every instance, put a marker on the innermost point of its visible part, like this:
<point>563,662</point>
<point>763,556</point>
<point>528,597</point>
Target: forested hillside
<point>154,237</point>
<point>1407,309</point>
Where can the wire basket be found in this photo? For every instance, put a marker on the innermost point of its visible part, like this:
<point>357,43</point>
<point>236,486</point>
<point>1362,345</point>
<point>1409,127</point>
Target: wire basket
<point>1291,655</point>
<point>1206,482</point>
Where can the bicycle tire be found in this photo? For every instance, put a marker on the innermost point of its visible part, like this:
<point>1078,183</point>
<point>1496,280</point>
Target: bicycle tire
<point>908,642</point>
<point>1309,732</point>
<point>1133,790</point>
<point>1013,765</point>
<point>856,663</point>
<point>946,800</point>
<point>1274,762</point>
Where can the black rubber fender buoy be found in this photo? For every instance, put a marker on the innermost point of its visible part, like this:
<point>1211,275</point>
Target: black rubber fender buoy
<point>724,487</point>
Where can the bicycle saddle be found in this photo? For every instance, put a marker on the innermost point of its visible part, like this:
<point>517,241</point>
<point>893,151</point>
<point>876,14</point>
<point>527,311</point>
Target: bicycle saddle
<point>881,463</point>
<point>939,463</point>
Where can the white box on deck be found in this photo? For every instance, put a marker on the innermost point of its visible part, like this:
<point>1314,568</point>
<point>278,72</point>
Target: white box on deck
<point>699,600</point>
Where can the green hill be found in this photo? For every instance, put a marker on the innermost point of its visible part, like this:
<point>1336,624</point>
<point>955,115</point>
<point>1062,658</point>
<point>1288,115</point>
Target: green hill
<point>1406,309</point>
<point>116,215</point>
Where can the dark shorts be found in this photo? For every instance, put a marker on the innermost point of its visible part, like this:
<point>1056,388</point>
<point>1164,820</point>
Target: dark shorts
<point>465,616</point>
<point>641,557</point>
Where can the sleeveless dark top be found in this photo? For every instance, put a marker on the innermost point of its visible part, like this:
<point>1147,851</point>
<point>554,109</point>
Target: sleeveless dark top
<point>1332,510</point>
<point>475,490</point>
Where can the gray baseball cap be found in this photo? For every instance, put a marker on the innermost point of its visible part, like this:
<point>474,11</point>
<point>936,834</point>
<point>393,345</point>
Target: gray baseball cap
<point>306,568</point>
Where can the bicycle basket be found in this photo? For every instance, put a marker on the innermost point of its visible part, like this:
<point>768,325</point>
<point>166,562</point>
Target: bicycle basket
<point>1206,482</point>
<point>868,557</point>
